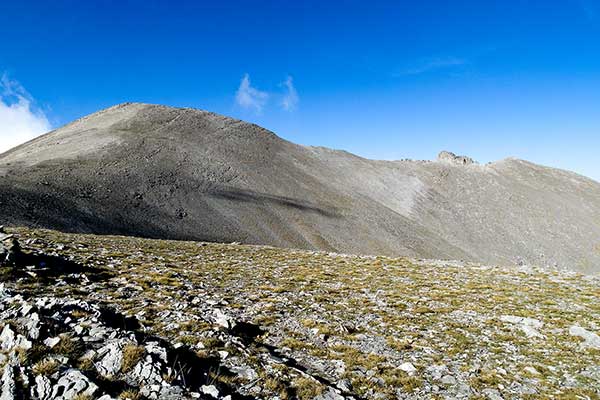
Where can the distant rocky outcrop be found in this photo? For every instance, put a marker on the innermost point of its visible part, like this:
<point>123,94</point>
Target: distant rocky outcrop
<point>160,172</point>
<point>449,157</point>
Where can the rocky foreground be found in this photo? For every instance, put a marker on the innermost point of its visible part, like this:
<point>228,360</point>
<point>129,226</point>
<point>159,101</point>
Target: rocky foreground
<point>86,317</point>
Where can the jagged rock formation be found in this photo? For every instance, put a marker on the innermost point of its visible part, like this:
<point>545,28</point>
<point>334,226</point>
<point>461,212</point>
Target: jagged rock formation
<point>446,156</point>
<point>146,170</point>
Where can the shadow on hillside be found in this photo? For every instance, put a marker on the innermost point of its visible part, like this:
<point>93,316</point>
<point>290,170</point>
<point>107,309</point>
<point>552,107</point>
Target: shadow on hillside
<point>127,212</point>
<point>235,194</point>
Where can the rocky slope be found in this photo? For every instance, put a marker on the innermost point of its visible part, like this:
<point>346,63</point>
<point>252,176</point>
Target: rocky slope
<point>85,316</point>
<point>161,172</point>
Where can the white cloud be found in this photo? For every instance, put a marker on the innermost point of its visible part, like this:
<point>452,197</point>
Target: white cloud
<point>432,65</point>
<point>250,97</point>
<point>290,99</point>
<point>20,121</point>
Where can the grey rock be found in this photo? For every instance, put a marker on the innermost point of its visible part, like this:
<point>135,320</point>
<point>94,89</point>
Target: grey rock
<point>98,332</point>
<point>210,390</point>
<point>345,385</point>
<point>244,372</point>
<point>329,394</point>
<point>146,372</point>
<point>72,384</point>
<point>449,157</point>
<point>223,319</point>
<point>111,356</point>
<point>529,326</point>
<point>9,340</point>
<point>42,390</point>
<point>32,325</point>
<point>463,390</point>
<point>591,340</point>
<point>9,387</point>
<point>408,368</point>
<point>492,394</point>
<point>52,341</point>
<point>448,380</point>
<point>436,372</point>
<point>26,309</point>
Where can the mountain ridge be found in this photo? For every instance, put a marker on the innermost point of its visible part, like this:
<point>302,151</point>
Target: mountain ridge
<point>180,173</point>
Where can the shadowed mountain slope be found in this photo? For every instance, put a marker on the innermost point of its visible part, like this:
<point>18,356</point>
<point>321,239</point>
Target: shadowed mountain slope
<point>154,171</point>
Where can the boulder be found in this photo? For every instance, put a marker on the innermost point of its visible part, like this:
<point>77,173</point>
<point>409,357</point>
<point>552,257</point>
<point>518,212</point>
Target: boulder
<point>73,384</point>
<point>10,250</point>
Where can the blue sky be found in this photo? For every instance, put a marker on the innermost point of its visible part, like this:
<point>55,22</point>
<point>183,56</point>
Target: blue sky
<point>383,79</point>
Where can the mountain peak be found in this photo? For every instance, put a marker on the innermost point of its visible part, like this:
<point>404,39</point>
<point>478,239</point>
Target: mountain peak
<point>179,173</point>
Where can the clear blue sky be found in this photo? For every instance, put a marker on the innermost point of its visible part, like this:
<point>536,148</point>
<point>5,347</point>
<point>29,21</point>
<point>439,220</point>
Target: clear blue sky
<point>397,79</point>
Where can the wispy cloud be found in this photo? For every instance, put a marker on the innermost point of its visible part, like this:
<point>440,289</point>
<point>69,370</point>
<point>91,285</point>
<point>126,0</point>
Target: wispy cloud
<point>20,120</point>
<point>433,64</point>
<point>250,97</point>
<point>290,99</point>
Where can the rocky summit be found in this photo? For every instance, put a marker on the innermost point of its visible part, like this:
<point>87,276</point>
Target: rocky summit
<point>169,173</point>
<point>113,317</point>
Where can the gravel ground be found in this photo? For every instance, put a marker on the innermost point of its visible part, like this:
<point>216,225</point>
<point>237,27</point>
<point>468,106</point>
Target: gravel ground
<point>303,324</point>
